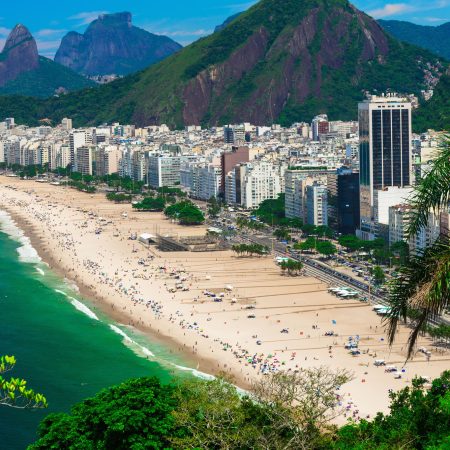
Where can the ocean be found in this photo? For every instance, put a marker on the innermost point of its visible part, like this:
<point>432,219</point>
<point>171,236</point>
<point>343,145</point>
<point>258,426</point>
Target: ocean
<point>64,347</point>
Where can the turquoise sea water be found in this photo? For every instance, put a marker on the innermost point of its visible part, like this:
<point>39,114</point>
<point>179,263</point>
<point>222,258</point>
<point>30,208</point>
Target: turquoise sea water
<point>61,348</point>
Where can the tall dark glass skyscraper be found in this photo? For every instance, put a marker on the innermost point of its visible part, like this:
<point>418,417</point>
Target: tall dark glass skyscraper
<point>343,201</point>
<point>385,150</point>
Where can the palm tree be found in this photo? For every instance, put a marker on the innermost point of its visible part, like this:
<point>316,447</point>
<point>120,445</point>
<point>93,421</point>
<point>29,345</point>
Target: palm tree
<point>423,289</point>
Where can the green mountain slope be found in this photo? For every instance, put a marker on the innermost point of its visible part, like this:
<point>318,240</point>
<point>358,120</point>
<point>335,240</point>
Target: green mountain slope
<point>435,39</point>
<point>277,62</point>
<point>435,114</point>
<point>46,80</point>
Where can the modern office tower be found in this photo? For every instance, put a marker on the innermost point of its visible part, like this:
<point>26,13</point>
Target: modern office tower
<point>320,125</point>
<point>343,201</point>
<point>384,152</point>
<point>316,204</point>
<point>228,160</point>
<point>66,124</point>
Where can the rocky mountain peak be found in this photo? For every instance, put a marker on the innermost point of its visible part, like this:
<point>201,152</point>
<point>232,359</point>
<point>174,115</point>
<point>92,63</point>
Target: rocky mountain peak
<point>112,45</point>
<point>20,54</point>
<point>19,35</point>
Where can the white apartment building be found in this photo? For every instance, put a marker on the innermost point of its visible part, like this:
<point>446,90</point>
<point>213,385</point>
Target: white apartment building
<point>317,204</point>
<point>399,219</point>
<point>201,180</point>
<point>260,181</point>
<point>295,191</point>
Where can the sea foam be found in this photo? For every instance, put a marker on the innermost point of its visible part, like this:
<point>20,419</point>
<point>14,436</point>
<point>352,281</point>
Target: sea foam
<point>27,253</point>
<point>137,348</point>
<point>83,308</point>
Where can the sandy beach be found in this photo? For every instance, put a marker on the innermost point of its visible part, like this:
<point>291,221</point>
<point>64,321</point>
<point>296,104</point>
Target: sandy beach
<point>163,295</point>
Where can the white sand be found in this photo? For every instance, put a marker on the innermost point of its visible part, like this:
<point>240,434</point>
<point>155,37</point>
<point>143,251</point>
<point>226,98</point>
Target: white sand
<point>216,336</point>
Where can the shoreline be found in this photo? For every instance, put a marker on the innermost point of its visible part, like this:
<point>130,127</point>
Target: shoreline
<point>183,300</point>
<point>86,293</point>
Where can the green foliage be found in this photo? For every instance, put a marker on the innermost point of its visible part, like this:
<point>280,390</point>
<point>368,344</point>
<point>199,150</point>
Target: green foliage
<point>14,392</point>
<point>424,284</point>
<point>419,419</point>
<point>45,80</point>
<point>186,212</point>
<point>241,223</point>
<point>118,198</point>
<point>400,250</point>
<point>136,414</point>
<point>250,249</point>
<point>435,114</point>
<point>214,207</point>
<point>156,94</point>
<point>307,245</point>
<point>291,266</point>
<point>350,242</point>
<point>151,204</point>
<point>272,212</point>
<point>435,39</point>
<point>171,191</point>
<point>82,186</point>
<point>326,248</point>
<point>282,234</point>
<point>378,275</point>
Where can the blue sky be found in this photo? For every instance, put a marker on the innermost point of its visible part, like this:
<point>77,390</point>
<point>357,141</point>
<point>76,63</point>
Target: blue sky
<point>183,20</point>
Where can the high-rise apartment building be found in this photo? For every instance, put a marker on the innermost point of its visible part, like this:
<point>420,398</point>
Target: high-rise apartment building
<point>343,201</point>
<point>316,205</point>
<point>77,139</point>
<point>229,160</point>
<point>320,125</point>
<point>234,134</point>
<point>384,152</point>
<point>295,181</point>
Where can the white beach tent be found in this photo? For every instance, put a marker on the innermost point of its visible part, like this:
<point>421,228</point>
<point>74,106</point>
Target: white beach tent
<point>147,238</point>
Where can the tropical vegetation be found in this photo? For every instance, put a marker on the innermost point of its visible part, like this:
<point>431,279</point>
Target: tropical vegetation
<point>422,291</point>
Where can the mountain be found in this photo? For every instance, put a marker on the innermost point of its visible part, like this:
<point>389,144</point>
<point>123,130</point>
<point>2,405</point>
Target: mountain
<point>23,71</point>
<point>435,114</point>
<point>278,62</point>
<point>112,45</point>
<point>19,55</point>
<point>435,39</point>
<point>227,22</point>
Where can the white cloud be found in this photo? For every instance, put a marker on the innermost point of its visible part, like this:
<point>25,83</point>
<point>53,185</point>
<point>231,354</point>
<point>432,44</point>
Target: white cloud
<point>4,31</point>
<point>199,32</point>
<point>435,19</point>
<point>48,32</point>
<point>86,17</point>
<point>391,9</point>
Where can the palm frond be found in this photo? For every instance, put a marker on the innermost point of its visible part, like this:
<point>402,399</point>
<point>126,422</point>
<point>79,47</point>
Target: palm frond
<point>433,193</point>
<point>422,291</point>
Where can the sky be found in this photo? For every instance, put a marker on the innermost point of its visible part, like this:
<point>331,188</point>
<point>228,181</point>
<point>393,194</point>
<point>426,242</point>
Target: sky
<point>183,20</point>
